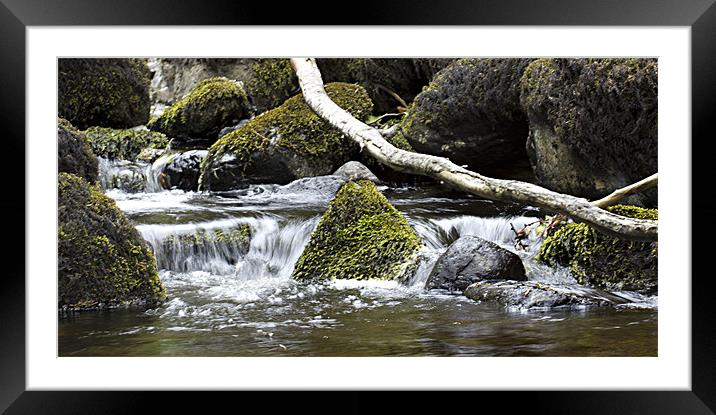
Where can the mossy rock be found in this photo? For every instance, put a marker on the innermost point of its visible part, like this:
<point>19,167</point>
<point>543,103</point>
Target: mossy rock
<point>213,104</point>
<point>361,236</point>
<point>284,144</point>
<point>74,155</point>
<point>102,259</point>
<point>602,261</point>
<point>229,244</point>
<point>103,92</point>
<point>405,77</point>
<point>120,144</point>
<point>270,83</point>
<point>471,114</point>
<point>593,124</point>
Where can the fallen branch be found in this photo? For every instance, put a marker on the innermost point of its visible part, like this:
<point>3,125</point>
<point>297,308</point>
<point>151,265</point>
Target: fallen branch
<point>619,194</point>
<point>440,168</point>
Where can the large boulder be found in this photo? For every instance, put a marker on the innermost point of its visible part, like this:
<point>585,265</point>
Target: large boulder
<point>213,104</point>
<point>268,82</point>
<point>470,259</point>
<point>183,171</point>
<point>602,261</point>
<point>103,92</point>
<point>74,155</point>
<point>284,144</point>
<point>102,259</point>
<point>360,236</point>
<point>470,113</point>
<point>118,144</point>
<point>383,77</point>
<point>593,124</point>
<point>533,294</point>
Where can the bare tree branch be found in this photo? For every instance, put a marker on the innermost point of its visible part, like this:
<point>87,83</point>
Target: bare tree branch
<point>443,169</point>
<point>619,194</point>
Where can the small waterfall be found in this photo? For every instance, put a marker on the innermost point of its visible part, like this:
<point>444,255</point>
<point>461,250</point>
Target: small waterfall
<point>131,176</point>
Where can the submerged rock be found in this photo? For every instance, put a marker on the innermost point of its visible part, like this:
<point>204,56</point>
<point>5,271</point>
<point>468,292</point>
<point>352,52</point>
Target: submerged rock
<point>102,259</point>
<point>190,251</point>
<point>284,144</point>
<point>117,144</point>
<point>354,170</point>
<point>103,92</point>
<point>602,261</point>
<point>213,104</point>
<point>361,236</point>
<point>470,259</point>
<point>184,170</point>
<point>533,294</point>
<point>471,114</point>
<point>383,77</point>
<point>74,155</point>
<point>593,124</point>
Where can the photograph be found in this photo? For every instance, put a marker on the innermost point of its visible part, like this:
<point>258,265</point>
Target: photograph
<point>489,206</point>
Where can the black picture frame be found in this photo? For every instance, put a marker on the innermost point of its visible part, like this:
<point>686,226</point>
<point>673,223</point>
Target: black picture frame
<point>699,15</point>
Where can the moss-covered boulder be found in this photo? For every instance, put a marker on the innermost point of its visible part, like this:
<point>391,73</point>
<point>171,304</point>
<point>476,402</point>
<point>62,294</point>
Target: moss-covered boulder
<point>74,155</point>
<point>118,144</point>
<point>383,78</point>
<point>102,259</point>
<point>602,261</point>
<point>268,82</point>
<point>284,144</point>
<point>360,236</point>
<point>593,124</point>
<point>471,114</point>
<point>213,104</point>
<point>103,92</point>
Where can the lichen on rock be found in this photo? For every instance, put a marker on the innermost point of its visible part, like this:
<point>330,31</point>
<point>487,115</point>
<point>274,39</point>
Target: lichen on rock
<point>74,155</point>
<point>603,261</point>
<point>103,92</point>
<point>102,259</point>
<point>361,236</point>
<point>118,144</point>
<point>213,104</point>
<point>284,144</point>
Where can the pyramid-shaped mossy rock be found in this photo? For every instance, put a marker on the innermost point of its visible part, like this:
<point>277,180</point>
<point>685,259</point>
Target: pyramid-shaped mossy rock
<point>361,236</point>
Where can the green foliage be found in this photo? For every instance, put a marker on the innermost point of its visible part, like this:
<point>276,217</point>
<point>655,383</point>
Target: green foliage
<point>101,256</point>
<point>103,92</point>
<point>123,144</point>
<point>360,236</point>
<point>74,155</point>
<point>213,104</point>
<point>603,261</point>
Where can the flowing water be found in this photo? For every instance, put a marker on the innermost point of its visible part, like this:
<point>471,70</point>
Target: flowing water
<point>227,298</point>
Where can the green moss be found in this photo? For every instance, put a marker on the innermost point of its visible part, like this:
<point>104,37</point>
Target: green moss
<point>101,256</point>
<point>123,144</point>
<point>603,261</point>
<point>74,155</point>
<point>241,235</point>
<point>213,104</point>
<point>293,128</point>
<point>272,81</point>
<point>103,92</point>
<point>360,236</point>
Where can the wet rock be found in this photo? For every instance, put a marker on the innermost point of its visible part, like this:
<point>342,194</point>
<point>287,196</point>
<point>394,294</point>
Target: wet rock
<point>470,259</point>
<point>191,251</point>
<point>101,256</point>
<point>149,154</point>
<point>226,130</point>
<point>471,114</point>
<point>601,261</point>
<point>212,105</point>
<point>284,144</point>
<point>124,175</point>
<point>313,188</point>
<point>354,170</point>
<point>532,294</point>
<point>184,170</point>
<point>360,236</point>
<point>593,124</point>
<point>74,155</point>
<point>103,92</point>
<point>267,82</point>
<point>383,77</point>
<point>124,144</point>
